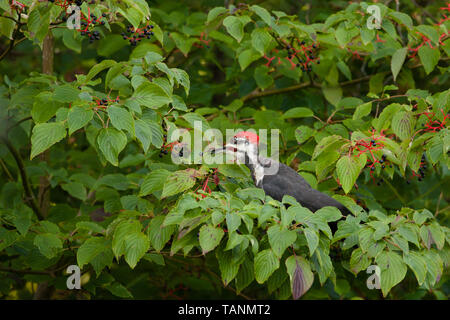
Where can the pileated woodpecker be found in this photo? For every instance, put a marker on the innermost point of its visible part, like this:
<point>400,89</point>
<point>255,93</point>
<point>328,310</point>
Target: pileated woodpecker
<point>286,181</point>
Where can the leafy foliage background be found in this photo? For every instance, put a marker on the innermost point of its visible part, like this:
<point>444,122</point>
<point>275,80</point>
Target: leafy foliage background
<point>86,183</point>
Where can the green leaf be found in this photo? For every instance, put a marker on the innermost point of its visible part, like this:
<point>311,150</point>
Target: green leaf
<point>401,242</point>
<point>362,110</point>
<point>403,124</point>
<point>312,238</point>
<point>409,232</point>
<point>215,12</point>
<point>151,95</point>
<point>78,117</point>
<point>365,238</point>
<point>210,237</point>
<point>108,46</point>
<point>45,135</point>
<point>393,270</point>
<point>261,40</point>
<point>417,264</point>
<point>233,221</point>
<point>182,78</point>
<point>359,261</point>
<point>262,13</point>
<point>121,119</point>
<point>71,40</point>
<point>22,219</point>
<point>158,234</point>
<point>177,182</point>
<point>183,42</point>
<point>330,214</point>
<point>111,142</point>
<point>348,169</point>
<point>430,32</point>
<point>44,108</point>
<point>245,275</point>
<point>333,94</point>
<point>178,103</point>
<point>48,243</point>
<point>432,234</point>
<point>266,262</point>
<point>136,245</point>
<point>328,143</point>
<point>128,240</point>
<point>248,56</point>
<point>95,70</point>
<point>119,291</point>
<point>96,251</point>
<point>263,79</point>
<point>397,61</point>
<point>303,133</point>
<point>91,226</point>
<point>144,133</point>
<point>420,217</point>
<point>298,112</point>
<point>344,69</point>
<point>381,229</point>
<point>280,238</point>
<point>401,18</point>
<point>429,58</point>
<point>65,93</point>
<point>228,265</point>
<point>235,27</point>
<point>76,190</point>
<point>154,181</point>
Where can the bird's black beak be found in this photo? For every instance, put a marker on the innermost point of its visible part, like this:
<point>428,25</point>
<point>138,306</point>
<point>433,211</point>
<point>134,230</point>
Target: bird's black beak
<point>221,149</point>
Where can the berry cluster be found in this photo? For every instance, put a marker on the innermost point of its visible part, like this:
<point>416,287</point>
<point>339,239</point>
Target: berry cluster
<point>166,147</point>
<point>370,146</point>
<point>303,54</point>
<point>135,35</point>
<point>67,3</point>
<point>171,292</point>
<point>425,41</point>
<point>422,168</point>
<point>103,103</point>
<point>447,8</point>
<point>204,42</point>
<point>16,5</point>
<point>383,162</point>
<point>89,23</point>
<point>379,39</point>
<point>355,54</point>
<point>211,175</point>
<point>434,125</point>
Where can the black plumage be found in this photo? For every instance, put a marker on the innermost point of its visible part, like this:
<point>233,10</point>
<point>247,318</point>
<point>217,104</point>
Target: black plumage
<point>275,178</point>
<point>288,182</point>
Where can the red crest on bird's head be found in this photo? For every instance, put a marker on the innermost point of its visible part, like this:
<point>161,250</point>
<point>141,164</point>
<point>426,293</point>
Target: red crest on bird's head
<point>250,136</point>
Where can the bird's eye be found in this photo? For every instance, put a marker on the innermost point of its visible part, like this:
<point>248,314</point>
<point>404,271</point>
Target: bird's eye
<point>235,140</point>
<point>246,141</point>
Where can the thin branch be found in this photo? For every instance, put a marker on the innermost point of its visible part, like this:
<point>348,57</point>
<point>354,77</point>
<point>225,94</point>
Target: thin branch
<point>439,202</point>
<point>30,198</point>
<point>394,190</point>
<point>6,170</point>
<point>259,94</point>
<point>10,270</point>
<point>13,40</point>
<point>18,123</point>
<point>8,17</point>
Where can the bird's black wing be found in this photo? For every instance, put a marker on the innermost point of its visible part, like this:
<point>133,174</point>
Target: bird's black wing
<point>288,182</point>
